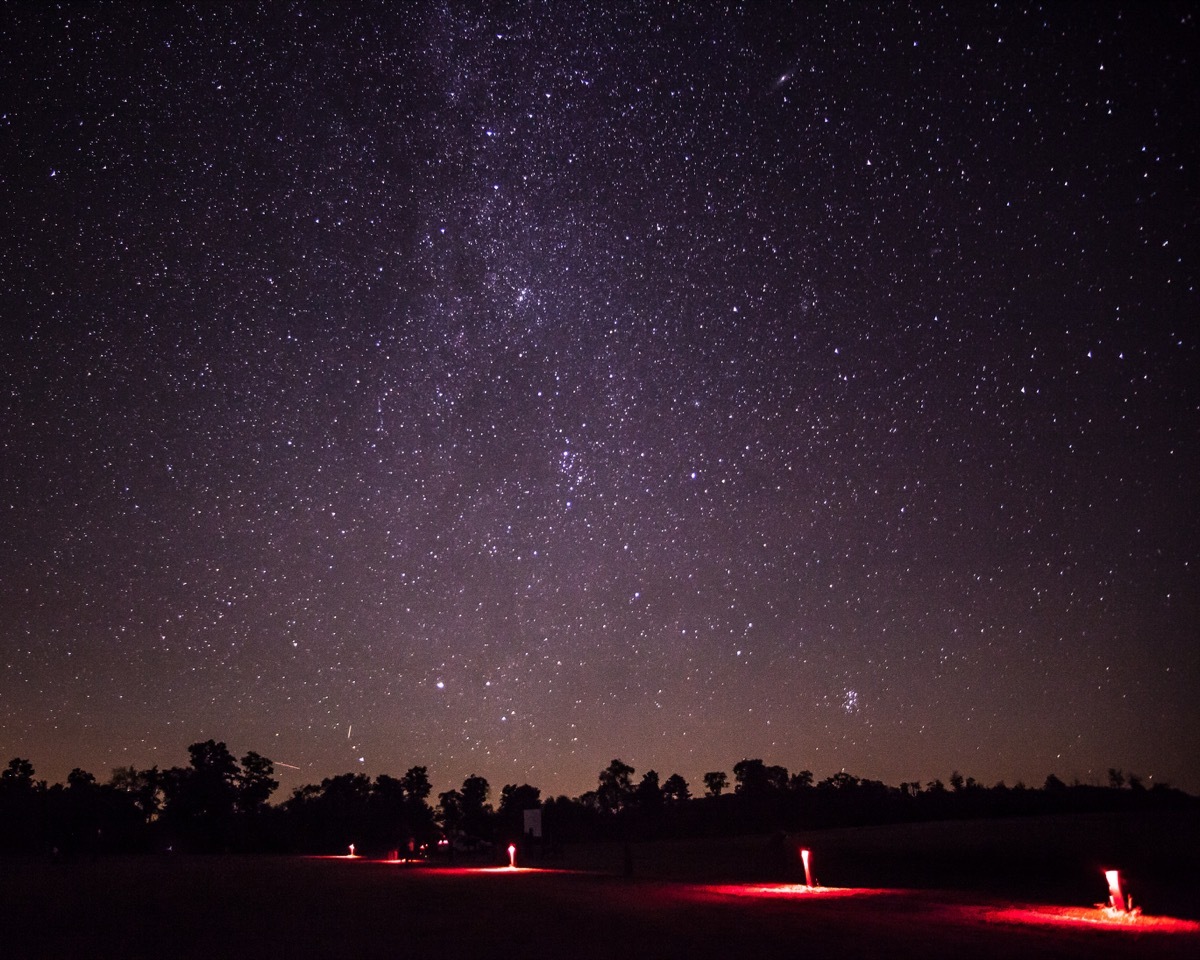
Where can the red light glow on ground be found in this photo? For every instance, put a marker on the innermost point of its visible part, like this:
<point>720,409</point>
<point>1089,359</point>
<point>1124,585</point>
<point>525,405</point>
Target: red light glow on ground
<point>476,871</point>
<point>427,868</point>
<point>796,890</point>
<point>1096,917</point>
<point>1099,917</point>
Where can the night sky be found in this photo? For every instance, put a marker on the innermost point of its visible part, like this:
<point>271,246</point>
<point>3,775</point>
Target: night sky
<point>506,388</point>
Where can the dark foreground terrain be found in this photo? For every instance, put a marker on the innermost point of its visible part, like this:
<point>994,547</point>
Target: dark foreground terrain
<point>685,900</point>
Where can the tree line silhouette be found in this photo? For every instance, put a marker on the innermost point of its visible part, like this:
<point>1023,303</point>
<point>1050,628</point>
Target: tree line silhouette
<point>218,803</point>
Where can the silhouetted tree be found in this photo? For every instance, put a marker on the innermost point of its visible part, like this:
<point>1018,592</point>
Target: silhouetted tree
<point>801,781</point>
<point>330,817</point>
<point>347,789</point>
<point>648,794</point>
<point>450,811</point>
<point>416,784</point>
<point>216,803</point>
<point>396,817</point>
<point>389,794</point>
<point>616,785</point>
<point>80,779</point>
<point>514,801</point>
<point>476,811</point>
<point>675,790</point>
<point>76,815</point>
<point>18,775</point>
<point>22,808</point>
<point>90,817</point>
<point>143,786</point>
<point>751,777</point>
<point>254,783</point>
<point>715,782</point>
<point>200,799</point>
<point>589,800</point>
<point>841,780</point>
<point>566,819</point>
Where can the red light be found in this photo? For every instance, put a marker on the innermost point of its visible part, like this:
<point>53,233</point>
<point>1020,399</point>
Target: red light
<point>512,855</point>
<point>1117,901</point>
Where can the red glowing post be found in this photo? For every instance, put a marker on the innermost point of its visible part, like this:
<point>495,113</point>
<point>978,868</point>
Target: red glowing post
<point>512,855</point>
<point>351,849</point>
<point>1116,899</point>
<point>804,856</point>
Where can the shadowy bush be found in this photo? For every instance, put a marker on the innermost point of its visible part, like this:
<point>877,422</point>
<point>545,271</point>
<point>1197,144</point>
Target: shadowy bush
<point>220,804</point>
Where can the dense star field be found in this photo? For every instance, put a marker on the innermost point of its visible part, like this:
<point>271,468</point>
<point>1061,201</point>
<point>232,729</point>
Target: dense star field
<point>511,387</point>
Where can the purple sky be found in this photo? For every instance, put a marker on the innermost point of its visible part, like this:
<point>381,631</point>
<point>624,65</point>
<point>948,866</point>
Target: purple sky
<point>509,388</point>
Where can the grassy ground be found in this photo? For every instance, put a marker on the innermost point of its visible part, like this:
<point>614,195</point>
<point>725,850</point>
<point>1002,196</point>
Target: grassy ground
<point>1043,859</point>
<point>184,907</point>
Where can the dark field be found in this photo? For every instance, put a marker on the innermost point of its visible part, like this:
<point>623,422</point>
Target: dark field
<point>686,900</point>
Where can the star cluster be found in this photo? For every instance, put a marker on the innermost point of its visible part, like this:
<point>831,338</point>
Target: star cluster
<point>508,388</point>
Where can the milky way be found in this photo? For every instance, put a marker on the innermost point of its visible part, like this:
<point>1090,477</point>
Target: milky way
<point>507,388</point>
